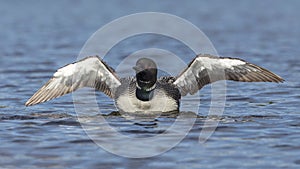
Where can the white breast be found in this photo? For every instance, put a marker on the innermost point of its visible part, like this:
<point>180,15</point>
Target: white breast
<point>160,102</point>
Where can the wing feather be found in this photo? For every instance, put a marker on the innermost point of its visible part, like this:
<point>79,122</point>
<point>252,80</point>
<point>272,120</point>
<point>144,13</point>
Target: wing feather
<point>88,72</point>
<point>206,69</point>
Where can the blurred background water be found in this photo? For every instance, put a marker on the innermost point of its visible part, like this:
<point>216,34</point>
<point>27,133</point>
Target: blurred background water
<point>260,124</point>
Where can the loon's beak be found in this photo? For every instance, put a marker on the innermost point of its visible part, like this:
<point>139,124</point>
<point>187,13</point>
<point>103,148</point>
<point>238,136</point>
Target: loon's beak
<point>134,68</point>
<point>137,69</point>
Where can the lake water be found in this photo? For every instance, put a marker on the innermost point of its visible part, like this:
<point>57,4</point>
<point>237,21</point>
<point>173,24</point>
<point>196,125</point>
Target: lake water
<point>260,127</point>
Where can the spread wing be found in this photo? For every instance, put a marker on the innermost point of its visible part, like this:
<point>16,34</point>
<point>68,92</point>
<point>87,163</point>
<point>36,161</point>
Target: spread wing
<point>88,72</point>
<point>206,69</point>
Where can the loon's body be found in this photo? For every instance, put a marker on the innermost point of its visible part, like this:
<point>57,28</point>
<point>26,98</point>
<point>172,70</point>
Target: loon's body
<point>165,97</point>
<point>145,92</point>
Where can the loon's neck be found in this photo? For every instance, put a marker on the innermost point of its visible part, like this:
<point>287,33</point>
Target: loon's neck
<point>144,94</point>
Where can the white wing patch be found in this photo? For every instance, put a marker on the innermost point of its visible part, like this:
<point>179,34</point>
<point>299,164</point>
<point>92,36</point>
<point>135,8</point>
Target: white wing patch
<point>65,71</point>
<point>88,72</point>
<point>210,62</point>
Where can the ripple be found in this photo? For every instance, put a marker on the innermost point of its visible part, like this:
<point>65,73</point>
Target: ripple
<point>79,141</point>
<point>62,122</point>
<point>16,117</point>
<point>297,162</point>
<point>51,114</point>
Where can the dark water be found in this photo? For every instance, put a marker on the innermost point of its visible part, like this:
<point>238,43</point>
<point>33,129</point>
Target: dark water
<point>261,122</point>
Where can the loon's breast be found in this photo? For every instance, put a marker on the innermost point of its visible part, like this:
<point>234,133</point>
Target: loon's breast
<point>165,98</point>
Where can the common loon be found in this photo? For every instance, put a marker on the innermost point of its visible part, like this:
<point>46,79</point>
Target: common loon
<point>145,92</point>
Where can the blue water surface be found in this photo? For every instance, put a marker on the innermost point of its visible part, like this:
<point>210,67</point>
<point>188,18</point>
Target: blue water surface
<point>258,129</point>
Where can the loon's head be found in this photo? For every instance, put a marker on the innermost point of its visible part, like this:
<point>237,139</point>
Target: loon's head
<point>146,74</point>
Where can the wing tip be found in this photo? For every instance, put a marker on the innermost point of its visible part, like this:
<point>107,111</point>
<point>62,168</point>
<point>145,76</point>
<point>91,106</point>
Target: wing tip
<point>29,103</point>
<point>275,78</point>
<point>280,80</point>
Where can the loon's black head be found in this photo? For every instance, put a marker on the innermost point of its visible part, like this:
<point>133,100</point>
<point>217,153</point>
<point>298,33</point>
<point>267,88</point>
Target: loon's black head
<point>146,76</point>
<point>146,73</point>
